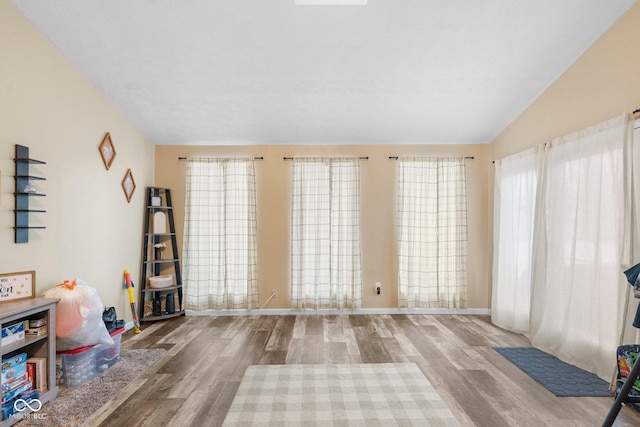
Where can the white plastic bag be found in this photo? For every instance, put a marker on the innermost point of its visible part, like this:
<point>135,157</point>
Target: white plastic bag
<point>78,316</point>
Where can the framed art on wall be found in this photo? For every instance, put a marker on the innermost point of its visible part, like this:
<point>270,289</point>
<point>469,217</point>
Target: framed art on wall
<point>16,286</point>
<point>128,185</point>
<point>107,151</point>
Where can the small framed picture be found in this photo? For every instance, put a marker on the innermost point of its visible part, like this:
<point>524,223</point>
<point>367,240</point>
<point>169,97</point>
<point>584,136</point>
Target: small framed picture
<point>128,185</point>
<point>107,151</point>
<point>17,286</point>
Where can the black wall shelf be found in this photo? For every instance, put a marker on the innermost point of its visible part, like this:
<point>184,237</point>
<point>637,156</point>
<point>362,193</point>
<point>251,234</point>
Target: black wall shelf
<point>22,209</point>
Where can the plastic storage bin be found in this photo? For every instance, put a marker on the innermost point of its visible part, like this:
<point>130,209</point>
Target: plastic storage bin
<point>76,367</point>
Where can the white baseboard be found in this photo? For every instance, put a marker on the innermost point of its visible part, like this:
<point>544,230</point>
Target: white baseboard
<point>285,311</point>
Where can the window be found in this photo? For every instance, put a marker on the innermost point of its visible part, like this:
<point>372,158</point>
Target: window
<point>432,235</point>
<point>219,247</point>
<point>325,234</point>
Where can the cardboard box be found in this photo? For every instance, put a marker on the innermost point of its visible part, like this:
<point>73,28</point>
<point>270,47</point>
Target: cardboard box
<point>15,371</point>
<point>9,408</point>
<point>13,333</point>
<point>9,362</point>
<point>36,323</point>
<point>25,386</point>
<point>36,332</point>
<point>13,377</point>
<point>14,383</point>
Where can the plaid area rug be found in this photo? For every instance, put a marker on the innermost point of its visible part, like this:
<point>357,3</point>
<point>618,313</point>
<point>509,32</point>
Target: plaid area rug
<point>387,394</point>
<point>560,378</point>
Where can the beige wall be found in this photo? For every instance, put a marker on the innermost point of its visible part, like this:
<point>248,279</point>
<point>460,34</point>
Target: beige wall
<point>378,197</point>
<point>603,83</point>
<point>48,105</point>
<point>93,233</point>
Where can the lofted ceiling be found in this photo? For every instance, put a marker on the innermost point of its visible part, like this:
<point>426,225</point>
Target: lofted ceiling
<point>272,72</point>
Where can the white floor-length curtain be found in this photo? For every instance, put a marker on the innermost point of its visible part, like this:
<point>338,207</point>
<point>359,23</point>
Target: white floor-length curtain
<point>629,333</point>
<point>325,234</point>
<point>432,235</point>
<point>516,181</point>
<point>219,245</point>
<point>581,246</point>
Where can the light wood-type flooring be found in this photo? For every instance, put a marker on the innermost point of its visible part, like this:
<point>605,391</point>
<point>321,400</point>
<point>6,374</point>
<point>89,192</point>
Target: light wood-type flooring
<point>194,383</point>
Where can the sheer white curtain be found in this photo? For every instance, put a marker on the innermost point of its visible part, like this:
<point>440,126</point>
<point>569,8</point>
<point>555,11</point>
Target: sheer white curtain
<point>325,234</point>
<point>219,244</point>
<point>516,181</point>
<point>581,246</point>
<point>631,335</point>
<point>432,235</point>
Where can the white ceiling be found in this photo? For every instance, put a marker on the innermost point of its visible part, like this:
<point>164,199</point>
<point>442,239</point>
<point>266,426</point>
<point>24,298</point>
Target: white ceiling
<point>271,72</point>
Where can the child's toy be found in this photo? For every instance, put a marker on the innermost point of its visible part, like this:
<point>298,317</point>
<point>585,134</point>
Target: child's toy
<point>128,285</point>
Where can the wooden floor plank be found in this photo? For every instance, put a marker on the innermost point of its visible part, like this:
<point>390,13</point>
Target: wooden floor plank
<point>281,334</point>
<point>395,350</point>
<point>299,327</point>
<point>196,380</point>
<point>186,415</point>
<point>502,400</point>
<point>105,412</point>
<point>350,338</point>
<point>372,348</point>
<point>202,369</point>
<point>294,353</point>
<point>444,376</point>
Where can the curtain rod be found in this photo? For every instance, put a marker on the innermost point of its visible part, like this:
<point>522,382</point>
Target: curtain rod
<point>360,158</point>
<point>637,110</point>
<point>396,157</point>
<point>255,158</point>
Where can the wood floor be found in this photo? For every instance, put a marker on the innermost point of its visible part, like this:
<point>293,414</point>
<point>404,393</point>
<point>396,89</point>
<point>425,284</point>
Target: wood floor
<point>194,383</point>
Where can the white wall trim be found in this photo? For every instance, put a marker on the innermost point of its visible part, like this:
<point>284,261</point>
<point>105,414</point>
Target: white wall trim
<point>285,311</point>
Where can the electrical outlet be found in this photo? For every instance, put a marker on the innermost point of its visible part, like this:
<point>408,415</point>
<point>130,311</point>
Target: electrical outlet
<point>378,288</point>
<point>274,293</point>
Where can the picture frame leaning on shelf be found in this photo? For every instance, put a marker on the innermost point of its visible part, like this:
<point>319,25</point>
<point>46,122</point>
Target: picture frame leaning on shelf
<point>17,286</point>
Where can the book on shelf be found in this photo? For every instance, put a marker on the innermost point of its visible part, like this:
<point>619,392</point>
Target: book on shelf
<point>31,374</point>
<point>40,368</point>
